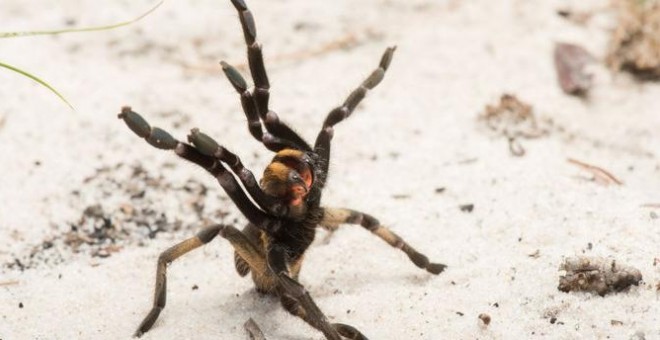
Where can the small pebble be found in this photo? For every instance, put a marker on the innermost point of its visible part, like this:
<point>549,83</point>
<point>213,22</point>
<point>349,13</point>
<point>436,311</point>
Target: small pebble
<point>485,319</point>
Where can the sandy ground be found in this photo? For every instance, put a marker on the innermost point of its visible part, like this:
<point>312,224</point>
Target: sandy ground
<point>72,182</point>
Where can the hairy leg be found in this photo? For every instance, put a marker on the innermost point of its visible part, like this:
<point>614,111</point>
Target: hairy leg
<point>254,235</point>
<point>254,118</point>
<point>255,258</point>
<point>165,258</point>
<point>208,146</point>
<point>278,132</point>
<point>338,114</point>
<point>297,300</point>
<point>333,217</point>
<point>161,139</point>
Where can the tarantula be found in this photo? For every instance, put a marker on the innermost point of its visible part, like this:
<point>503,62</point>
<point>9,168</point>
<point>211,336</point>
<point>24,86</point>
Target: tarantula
<point>283,222</point>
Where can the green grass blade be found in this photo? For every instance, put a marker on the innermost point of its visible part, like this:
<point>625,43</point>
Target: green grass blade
<point>84,29</point>
<point>41,82</point>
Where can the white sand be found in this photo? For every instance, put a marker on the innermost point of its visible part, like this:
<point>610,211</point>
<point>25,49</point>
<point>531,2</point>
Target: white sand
<point>416,132</point>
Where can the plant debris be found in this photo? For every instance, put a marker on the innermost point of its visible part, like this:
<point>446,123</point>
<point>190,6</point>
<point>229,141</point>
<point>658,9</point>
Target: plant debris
<point>8,283</point>
<point>635,43</point>
<point>596,275</point>
<point>253,330</point>
<point>514,119</point>
<point>570,63</point>
<point>600,175</point>
<point>651,205</point>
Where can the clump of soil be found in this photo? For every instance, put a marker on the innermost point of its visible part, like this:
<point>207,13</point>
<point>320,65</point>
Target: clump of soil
<point>635,44</point>
<point>596,275</point>
<point>124,206</point>
<point>514,120</point>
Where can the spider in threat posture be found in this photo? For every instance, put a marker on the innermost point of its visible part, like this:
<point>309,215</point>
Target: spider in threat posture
<point>284,208</point>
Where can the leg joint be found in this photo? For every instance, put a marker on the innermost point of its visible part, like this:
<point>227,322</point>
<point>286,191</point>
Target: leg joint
<point>209,233</point>
<point>369,222</point>
<point>164,258</point>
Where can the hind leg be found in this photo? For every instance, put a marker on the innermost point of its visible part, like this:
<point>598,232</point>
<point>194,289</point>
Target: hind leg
<point>165,258</point>
<point>242,245</point>
<point>254,235</point>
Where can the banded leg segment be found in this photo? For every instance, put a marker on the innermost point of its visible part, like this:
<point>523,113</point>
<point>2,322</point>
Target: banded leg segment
<point>247,100</point>
<point>279,132</point>
<point>163,140</point>
<point>333,217</point>
<point>251,112</point>
<point>165,258</point>
<point>338,114</point>
<point>209,147</point>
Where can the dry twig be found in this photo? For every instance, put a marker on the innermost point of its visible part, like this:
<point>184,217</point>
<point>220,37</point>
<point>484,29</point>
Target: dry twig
<point>253,330</point>
<point>601,175</point>
<point>9,283</point>
<point>651,205</point>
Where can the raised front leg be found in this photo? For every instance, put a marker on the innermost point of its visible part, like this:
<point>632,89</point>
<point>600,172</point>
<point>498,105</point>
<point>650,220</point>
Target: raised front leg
<point>163,140</point>
<point>333,217</point>
<point>208,146</point>
<point>251,112</point>
<point>278,132</point>
<point>322,144</point>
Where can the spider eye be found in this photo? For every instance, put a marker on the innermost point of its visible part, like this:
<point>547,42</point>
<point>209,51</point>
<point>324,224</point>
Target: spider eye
<point>303,168</point>
<point>295,176</point>
<point>297,183</point>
